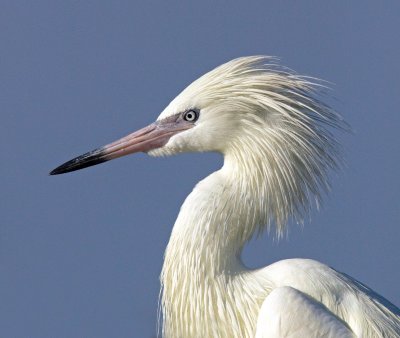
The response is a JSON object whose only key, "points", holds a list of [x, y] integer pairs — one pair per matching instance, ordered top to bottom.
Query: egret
{"points": [[276, 139]]}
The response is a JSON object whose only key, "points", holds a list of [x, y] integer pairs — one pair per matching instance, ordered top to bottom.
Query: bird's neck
{"points": [[265, 179], [216, 220], [203, 254]]}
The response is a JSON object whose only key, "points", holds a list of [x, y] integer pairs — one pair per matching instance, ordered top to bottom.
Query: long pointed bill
{"points": [[151, 137]]}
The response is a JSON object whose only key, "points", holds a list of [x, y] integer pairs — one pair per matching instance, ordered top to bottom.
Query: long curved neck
{"points": [[215, 221], [202, 260]]}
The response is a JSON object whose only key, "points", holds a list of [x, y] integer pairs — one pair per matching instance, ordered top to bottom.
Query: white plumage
{"points": [[278, 148]]}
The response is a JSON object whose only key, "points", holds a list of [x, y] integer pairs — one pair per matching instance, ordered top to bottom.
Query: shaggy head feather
{"points": [[268, 123]]}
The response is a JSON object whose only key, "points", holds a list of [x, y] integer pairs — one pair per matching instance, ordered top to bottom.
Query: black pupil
{"points": [[190, 116]]}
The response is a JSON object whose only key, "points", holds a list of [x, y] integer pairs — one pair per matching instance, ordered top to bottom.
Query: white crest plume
{"points": [[278, 127]]}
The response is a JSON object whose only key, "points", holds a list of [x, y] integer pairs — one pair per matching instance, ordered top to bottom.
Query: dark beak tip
{"points": [[86, 160], [62, 169], [56, 171]]}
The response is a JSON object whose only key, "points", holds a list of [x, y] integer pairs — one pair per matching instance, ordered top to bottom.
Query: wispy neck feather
{"points": [[284, 149], [287, 170]]}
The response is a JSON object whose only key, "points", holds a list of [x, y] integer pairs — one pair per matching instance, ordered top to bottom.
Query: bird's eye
{"points": [[191, 116]]}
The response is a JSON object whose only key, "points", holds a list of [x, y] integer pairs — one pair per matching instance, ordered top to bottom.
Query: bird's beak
{"points": [[151, 137]]}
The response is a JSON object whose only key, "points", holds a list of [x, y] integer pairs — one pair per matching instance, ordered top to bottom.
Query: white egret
{"points": [[277, 146]]}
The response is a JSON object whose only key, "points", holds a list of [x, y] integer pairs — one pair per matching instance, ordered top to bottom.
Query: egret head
{"points": [[254, 112]]}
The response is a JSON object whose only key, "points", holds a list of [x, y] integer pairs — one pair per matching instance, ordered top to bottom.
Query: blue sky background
{"points": [[80, 254]]}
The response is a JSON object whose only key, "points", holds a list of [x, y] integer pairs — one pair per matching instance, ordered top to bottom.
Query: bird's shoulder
{"points": [[297, 271], [322, 298], [288, 312]]}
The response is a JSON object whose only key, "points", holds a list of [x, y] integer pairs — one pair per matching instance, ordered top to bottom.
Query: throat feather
{"points": [[203, 275]]}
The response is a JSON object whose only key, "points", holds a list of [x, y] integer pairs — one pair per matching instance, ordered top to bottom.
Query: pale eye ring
{"points": [[191, 115]]}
